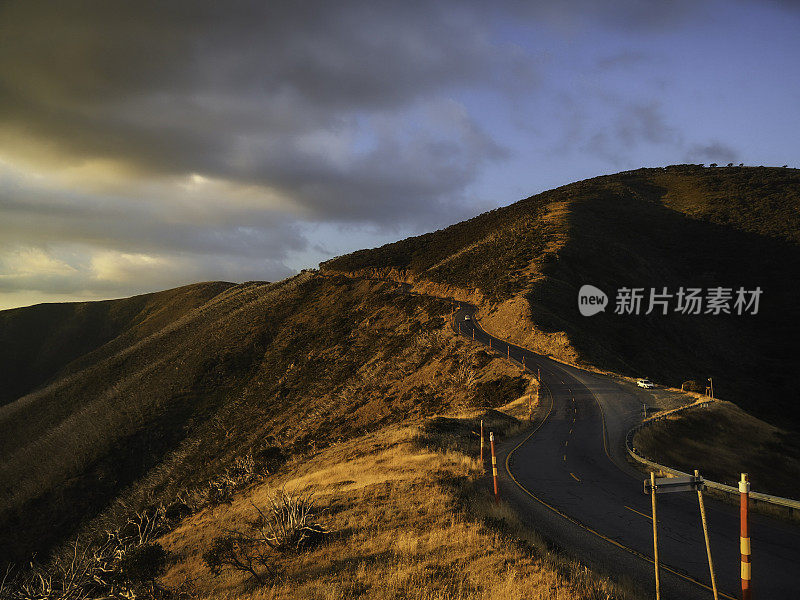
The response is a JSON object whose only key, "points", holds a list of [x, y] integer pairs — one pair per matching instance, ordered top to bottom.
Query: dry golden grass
{"points": [[399, 533]]}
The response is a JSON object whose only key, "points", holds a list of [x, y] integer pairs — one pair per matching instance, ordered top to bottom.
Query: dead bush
{"points": [[285, 525]]}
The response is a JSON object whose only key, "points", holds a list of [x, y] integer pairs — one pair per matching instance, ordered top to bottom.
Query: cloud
{"points": [[280, 95], [632, 125], [162, 143], [146, 144], [712, 152]]}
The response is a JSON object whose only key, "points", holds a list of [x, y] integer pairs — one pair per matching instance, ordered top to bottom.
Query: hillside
{"points": [[684, 225], [38, 343], [262, 372]]}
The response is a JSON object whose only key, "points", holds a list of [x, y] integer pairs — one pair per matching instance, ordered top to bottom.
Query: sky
{"points": [[146, 145]]}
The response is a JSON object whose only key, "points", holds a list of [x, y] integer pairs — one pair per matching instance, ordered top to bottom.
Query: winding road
{"points": [[570, 481]]}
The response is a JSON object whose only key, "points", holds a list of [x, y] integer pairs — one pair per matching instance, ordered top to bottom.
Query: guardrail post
{"points": [[494, 469], [655, 532], [705, 534], [744, 541]]}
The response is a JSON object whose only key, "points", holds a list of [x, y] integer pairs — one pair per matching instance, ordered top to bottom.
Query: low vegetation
{"points": [[407, 517]]}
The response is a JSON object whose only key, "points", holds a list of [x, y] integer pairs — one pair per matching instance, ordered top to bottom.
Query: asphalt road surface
{"points": [[571, 482]]}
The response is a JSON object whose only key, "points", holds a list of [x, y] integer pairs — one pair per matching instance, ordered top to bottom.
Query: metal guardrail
{"points": [[793, 505]]}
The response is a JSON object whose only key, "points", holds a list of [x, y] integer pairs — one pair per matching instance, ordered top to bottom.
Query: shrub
{"points": [[177, 511], [286, 525], [240, 552], [143, 563]]}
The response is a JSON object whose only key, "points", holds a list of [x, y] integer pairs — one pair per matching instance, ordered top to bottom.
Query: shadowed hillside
{"points": [[684, 225], [39, 342]]}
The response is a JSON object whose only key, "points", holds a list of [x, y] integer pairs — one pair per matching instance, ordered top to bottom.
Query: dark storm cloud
{"points": [[234, 90], [239, 90]]}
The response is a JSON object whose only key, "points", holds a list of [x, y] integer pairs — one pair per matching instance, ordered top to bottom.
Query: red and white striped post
{"points": [[482, 444], [494, 470], [744, 541]]}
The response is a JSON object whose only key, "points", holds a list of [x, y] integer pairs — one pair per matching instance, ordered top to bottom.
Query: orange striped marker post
{"points": [[473, 333], [490, 343], [508, 351], [482, 444], [494, 470], [744, 541]]}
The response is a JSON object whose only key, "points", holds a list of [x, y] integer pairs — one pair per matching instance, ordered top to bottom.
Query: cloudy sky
{"points": [[145, 145]]}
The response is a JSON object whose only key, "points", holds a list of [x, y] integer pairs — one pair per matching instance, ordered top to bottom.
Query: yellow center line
{"points": [[570, 430], [566, 443], [565, 458], [575, 477], [638, 513]]}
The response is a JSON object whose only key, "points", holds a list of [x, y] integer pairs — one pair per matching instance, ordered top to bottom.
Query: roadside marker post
{"points": [[473, 333], [508, 351], [482, 444], [494, 469], [668, 485], [655, 532], [705, 535], [744, 542]]}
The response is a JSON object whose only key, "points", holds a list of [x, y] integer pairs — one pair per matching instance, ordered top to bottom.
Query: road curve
{"points": [[569, 480]]}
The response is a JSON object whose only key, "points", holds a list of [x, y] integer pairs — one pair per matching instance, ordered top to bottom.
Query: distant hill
{"points": [[684, 225], [39, 342]]}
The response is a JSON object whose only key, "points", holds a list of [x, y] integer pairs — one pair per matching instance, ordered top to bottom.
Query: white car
{"points": [[467, 318], [645, 383]]}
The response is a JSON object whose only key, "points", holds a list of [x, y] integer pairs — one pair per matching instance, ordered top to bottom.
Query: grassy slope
{"points": [[679, 226], [289, 367], [722, 441], [409, 521]]}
